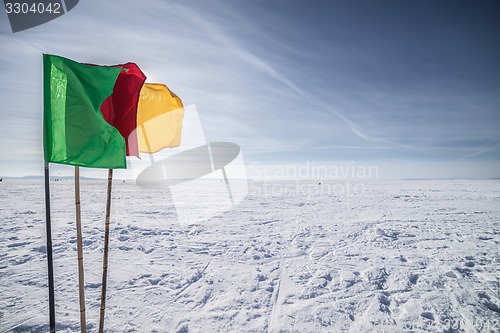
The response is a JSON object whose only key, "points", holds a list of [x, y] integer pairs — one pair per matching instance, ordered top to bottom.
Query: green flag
{"points": [[75, 131]]}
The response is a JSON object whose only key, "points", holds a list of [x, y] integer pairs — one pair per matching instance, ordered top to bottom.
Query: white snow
{"points": [[390, 256]]}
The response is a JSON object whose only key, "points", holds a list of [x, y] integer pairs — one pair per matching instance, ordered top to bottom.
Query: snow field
{"points": [[393, 256]]}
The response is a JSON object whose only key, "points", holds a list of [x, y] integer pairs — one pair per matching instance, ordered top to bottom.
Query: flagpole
{"points": [[148, 145], [224, 174], [227, 185], [106, 250], [81, 280], [52, 311]]}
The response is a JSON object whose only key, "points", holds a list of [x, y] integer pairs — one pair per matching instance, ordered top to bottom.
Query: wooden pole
{"points": [[148, 145], [224, 174], [227, 185], [106, 250], [81, 280], [52, 311]]}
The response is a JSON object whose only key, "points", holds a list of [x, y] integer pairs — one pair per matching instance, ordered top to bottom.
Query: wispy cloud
{"points": [[291, 82]]}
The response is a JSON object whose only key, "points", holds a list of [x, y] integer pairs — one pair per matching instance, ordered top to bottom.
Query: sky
{"points": [[412, 87]]}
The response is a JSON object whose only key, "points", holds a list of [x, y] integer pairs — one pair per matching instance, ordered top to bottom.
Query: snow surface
{"points": [[392, 256]]}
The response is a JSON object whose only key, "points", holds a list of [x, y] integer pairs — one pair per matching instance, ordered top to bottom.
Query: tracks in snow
{"points": [[283, 285]]}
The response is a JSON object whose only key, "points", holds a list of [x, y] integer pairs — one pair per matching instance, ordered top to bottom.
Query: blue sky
{"points": [[410, 86]]}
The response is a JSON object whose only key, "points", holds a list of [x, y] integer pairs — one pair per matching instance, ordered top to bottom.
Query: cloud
{"points": [[280, 83]]}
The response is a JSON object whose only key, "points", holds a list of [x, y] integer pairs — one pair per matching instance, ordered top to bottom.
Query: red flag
{"points": [[120, 108]]}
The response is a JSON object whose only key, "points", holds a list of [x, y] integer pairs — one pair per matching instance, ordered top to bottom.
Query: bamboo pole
{"points": [[148, 145], [224, 174], [227, 185], [106, 249], [81, 280], [52, 311]]}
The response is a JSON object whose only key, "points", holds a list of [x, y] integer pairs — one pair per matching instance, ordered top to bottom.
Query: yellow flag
{"points": [[159, 118]]}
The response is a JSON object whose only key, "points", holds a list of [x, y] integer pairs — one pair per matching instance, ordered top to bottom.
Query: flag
{"points": [[120, 108], [159, 118], [75, 131]]}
